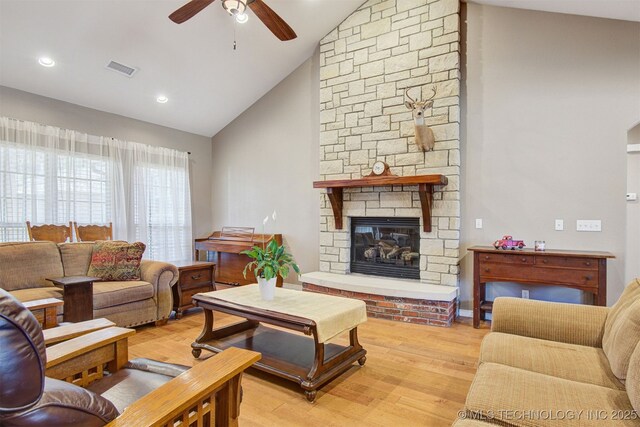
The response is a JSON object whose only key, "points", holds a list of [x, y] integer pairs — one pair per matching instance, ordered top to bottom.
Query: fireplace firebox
{"points": [[386, 247]]}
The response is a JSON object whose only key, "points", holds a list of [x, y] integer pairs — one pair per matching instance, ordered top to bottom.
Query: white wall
{"points": [[549, 101], [27, 106], [267, 159], [633, 208]]}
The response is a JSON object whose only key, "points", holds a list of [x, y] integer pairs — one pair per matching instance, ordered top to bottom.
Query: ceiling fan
{"points": [[278, 27]]}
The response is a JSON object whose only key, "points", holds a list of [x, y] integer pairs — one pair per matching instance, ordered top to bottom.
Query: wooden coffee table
{"points": [[294, 357]]}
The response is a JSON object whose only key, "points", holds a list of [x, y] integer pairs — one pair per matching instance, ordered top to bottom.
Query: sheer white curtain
{"points": [[53, 175]]}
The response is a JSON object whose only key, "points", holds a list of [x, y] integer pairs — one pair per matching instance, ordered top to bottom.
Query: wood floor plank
{"points": [[415, 375]]}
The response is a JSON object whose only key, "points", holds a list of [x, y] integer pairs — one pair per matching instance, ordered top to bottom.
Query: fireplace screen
{"points": [[386, 247]]}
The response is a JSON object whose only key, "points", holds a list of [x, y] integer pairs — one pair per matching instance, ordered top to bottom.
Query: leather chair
{"points": [[28, 397]]}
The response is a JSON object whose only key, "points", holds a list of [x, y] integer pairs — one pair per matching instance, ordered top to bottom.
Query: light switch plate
{"points": [[632, 197], [478, 223], [559, 224], [588, 225], [525, 294]]}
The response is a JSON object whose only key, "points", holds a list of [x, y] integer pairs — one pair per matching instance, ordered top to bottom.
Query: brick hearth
{"points": [[411, 310]]}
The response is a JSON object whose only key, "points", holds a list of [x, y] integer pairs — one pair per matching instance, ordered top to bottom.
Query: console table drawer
{"points": [[507, 258], [551, 261], [542, 275], [196, 278]]}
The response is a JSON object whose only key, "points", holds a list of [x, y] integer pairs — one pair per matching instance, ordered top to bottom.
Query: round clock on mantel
{"points": [[380, 168]]}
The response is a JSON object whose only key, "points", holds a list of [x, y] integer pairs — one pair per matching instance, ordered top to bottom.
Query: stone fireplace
{"points": [[366, 64]]}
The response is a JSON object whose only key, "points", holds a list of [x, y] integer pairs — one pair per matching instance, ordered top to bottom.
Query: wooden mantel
{"points": [[425, 185]]}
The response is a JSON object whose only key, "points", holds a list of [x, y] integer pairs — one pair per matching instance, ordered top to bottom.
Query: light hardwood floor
{"points": [[415, 375]]}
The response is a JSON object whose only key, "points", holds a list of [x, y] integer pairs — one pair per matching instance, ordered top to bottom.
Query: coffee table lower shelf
{"points": [[291, 356]]}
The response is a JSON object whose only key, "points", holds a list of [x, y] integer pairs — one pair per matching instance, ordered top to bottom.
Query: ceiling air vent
{"points": [[121, 68]]}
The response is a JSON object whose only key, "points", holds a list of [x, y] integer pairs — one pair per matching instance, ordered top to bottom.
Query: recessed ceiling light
{"points": [[241, 18], [46, 61], [162, 99]]}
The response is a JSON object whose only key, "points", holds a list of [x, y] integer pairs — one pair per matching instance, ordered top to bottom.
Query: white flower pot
{"points": [[267, 288]]}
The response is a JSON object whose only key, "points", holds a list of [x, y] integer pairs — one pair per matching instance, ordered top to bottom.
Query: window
{"points": [[52, 175], [49, 187]]}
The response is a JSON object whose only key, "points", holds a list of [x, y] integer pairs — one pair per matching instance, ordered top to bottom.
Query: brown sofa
{"points": [[25, 266], [551, 364]]}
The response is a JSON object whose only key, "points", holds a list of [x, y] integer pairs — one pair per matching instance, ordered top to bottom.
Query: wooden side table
{"points": [[584, 270], [194, 277], [78, 297], [49, 307]]}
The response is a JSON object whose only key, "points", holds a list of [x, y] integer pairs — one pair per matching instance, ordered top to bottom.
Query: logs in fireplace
{"points": [[384, 246]]}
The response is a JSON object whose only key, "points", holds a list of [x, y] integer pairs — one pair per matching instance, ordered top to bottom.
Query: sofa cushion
{"points": [[76, 257], [116, 260], [27, 265], [31, 294], [109, 294], [622, 330], [568, 361], [524, 398]]}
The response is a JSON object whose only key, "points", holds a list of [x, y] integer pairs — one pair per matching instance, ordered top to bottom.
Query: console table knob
{"points": [[524, 260], [545, 261], [588, 263], [486, 270], [588, 277]]}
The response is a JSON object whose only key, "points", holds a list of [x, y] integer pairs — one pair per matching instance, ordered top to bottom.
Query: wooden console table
{"points": [[584, 270]]}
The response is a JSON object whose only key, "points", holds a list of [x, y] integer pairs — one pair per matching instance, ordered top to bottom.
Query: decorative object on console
{"points": [[237, 9], [424, 138], [49, 232], [507, 242], [540, 245], [116, 260], [268, 263]]}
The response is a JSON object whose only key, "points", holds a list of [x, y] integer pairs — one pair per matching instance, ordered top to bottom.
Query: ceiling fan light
{"points": [[234, 7], [241, 18]]}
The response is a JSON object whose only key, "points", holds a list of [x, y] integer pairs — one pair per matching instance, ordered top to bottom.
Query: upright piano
{"points": [[224, 247]]}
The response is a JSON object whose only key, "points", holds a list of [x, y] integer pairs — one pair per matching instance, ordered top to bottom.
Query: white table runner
{"points": [[332, 315]]}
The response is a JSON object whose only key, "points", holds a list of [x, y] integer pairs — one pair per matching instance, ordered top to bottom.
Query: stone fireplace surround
{"points": [[366, 64]]}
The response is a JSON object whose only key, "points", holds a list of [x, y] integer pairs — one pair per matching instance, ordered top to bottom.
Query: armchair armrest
{"points": [[162, 276], [568, 323], [73, 330], [80, 360], [190, 396]]}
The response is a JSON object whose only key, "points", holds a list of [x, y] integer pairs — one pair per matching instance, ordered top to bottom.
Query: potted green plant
{"points": [[268, 263]]}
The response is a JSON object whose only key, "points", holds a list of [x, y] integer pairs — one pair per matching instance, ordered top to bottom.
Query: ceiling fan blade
{"points": [[189, 10], [278, 27]]}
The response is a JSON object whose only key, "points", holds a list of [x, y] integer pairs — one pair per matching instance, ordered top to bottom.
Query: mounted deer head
{"points": [[424, 135]]}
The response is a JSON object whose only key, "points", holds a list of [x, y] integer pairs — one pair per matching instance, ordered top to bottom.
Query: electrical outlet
{"points": [[632, 197], [478, 223], [559, 224], [588, 225], [525, 294]]}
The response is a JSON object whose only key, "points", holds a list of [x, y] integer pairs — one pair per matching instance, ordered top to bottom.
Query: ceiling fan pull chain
{"points": [[235, 25]]}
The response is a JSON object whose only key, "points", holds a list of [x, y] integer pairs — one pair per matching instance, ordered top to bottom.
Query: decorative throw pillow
{"points": [[116, 260]]}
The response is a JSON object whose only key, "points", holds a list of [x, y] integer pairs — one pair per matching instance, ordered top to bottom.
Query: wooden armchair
{"points": [[49, 232], [92, 233], [206, 394]]}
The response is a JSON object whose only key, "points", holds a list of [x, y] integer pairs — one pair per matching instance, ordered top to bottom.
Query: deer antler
{"points": [[433, 89], [406, 93]]}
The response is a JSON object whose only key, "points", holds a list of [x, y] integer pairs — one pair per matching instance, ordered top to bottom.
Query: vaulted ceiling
{"points": [[193, 64], [207, 82]]}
